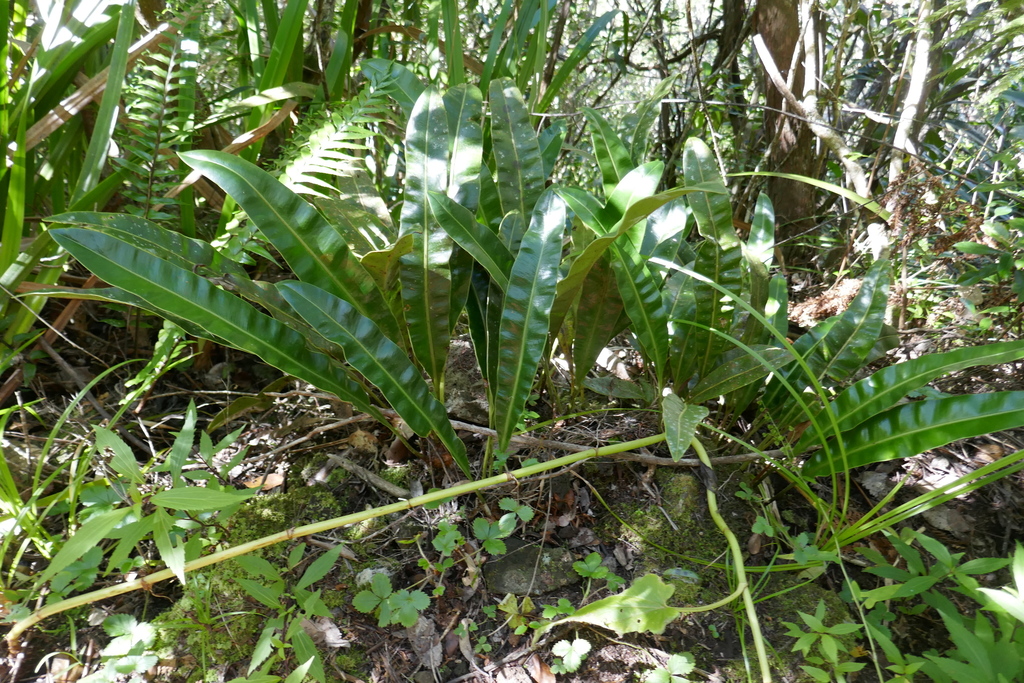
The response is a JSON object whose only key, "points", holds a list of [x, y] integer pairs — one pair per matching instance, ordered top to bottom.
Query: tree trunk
{"points": [[792, 143]]}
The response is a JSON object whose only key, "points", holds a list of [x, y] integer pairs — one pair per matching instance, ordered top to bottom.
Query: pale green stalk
{"points": [[13, 637]]}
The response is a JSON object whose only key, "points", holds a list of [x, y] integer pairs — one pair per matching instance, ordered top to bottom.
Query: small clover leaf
{"points": [[524, 512], [763, 526], [490, 535], [447, 539], [591, 567], [406, 607], [571, 655]]}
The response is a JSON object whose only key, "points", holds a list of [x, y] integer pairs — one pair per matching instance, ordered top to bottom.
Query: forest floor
{"points": [[639, 518]]}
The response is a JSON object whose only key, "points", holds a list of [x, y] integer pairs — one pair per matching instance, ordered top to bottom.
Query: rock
{"points": [[465, 395], [530, 571]]}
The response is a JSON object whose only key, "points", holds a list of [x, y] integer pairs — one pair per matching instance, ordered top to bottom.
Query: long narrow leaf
{"points": [[578, 54], [612, 155], [517, 159], [474, 237], [315, 250], [425, 272], [642, 297], [213, 313], [523, 330], [378, 359], [886, 387], [910, 429]]}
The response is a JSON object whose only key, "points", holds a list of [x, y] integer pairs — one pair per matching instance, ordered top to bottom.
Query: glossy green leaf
{"points": [[464, 105], [551, 140], [612, 156], [518, 164], [640, 183], [712, 210], [474, 237], [313, 248], [722, 266], [425, 271], [644, 305], [206, 310], [600, 316], [523, 330], [852, 337], [378, 359], [739, 372], [885, 388], [681, 420], [913, 428], [195, 499], [171, 548], [641, 607]]}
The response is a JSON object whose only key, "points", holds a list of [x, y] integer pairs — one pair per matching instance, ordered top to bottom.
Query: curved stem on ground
{"points": [[741, 575], [14, 635]]}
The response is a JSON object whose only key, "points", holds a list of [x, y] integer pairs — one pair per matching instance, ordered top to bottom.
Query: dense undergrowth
{"points": [[592, 268]]}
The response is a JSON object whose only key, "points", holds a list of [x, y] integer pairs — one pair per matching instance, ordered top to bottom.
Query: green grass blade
{"points": [[578, 54], [103, 129], [425, 272], [523, 330], [378, 359], [914, 428]]}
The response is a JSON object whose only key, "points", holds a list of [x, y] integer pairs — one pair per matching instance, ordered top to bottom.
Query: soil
{"points": [[638, 518]]}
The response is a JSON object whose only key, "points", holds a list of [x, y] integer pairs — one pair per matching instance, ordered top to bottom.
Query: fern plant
{"points": [[161, 105]]}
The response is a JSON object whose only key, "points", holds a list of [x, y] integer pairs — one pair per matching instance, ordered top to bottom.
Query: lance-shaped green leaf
{"points": [[464, 104], [551, 140], [612, 155], [517, 160], [640, 183], [712, 210], [474, 237], [314, 249], [758, 252], [722, 266], [425, 273], [642, 297], [205, 310], [600, 315], [523, 331], [850, 340], [378, 359], [740, 372], [888, 386], [681, 420], [910, 429], [89, 535]]}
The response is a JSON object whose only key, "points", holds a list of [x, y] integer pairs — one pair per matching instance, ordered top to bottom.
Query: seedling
{"points": [[391, 607], [569, 656], [675, 671]]}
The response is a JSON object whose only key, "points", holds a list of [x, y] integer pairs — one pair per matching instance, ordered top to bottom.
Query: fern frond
{"points": [[160, 108], [331, 143]]}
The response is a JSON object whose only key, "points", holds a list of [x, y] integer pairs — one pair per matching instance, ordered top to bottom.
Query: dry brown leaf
{"points": [[363, 441], [271, 481], [539, 671]]}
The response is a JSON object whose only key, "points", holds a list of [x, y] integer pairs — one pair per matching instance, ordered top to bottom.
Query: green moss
{"points": [[670, 548], [215, 621]]}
